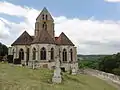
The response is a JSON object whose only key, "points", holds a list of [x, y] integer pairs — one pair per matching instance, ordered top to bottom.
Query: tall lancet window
{"points": [[43, 17], [46, 17], [44, 26], [52, 53], [21, 54], [34, 54], [43, 54], [71, 55], [64, 56]]}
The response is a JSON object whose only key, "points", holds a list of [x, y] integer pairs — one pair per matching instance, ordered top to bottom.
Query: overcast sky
{"points": [[92, 25]]}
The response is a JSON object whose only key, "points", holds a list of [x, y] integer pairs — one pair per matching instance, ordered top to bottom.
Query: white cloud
{"points": [[112, 0], [8, 8], [15, 10], [4, 31], [90, 36]]}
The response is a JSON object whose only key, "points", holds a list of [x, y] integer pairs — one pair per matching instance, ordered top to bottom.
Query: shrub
{"points": [[1, 57], [116, 71]]}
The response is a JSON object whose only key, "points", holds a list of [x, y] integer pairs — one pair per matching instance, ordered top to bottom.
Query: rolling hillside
{"points": [[22, 78]]}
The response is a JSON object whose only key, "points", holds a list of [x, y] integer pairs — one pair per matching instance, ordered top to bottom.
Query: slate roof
{"points": [[32, 37], [43, 38], [24, 39], [63, 40]]}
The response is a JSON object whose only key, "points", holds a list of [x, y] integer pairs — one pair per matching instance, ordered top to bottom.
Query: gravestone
{"points": [[5, 58], [34, 64], [74, 71], [57, 73]]}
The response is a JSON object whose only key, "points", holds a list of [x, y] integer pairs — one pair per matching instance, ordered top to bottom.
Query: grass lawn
{"points": [[21, 78]]}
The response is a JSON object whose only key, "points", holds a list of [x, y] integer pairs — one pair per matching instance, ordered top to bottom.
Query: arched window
{"points": [[43, 17], [46, 17], [44, 26], [43, 53], [52, 53], [21, 54], [34, 54], [71, 54], [64, 55]]}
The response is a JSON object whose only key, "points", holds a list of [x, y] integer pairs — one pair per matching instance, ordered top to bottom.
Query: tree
{"points": [[3, 49], [110, 64], [116, 71]]}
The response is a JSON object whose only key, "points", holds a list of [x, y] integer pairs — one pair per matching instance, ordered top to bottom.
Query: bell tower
{"points": [[44, 22]]}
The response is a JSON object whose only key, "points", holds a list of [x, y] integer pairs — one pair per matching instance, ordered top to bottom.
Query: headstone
{"points": [[5, 58], [34, 64], [74, 71], [57, 73]]}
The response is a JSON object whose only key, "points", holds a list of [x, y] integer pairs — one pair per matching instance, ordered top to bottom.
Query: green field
{"points": [[22, 78]]}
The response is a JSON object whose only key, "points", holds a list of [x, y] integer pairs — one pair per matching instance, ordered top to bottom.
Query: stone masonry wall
{"points": [[103, 75]]}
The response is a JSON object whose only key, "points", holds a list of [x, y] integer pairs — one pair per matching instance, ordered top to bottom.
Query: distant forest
{"points": [[90, 57], [106, 63]]}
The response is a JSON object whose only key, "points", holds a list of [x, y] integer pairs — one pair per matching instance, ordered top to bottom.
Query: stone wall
{"points": [[10, 52], [103, 75]]}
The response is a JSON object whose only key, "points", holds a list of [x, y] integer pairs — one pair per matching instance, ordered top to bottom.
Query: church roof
{"points": [[32, 37], [43, 38], [24, 39], [63, 40]]}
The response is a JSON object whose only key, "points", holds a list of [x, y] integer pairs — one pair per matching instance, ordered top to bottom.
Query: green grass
{"points": [[22, 78]]}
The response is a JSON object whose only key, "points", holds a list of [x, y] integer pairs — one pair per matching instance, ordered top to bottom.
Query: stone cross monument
{"points": [[74, 71], [57, 72]]}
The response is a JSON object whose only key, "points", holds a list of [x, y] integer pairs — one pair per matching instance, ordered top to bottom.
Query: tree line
{"points": [[3, 49], [109, 64]]}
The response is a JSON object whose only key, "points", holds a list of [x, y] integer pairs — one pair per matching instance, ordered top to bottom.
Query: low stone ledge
{"points": [[103, 75]]}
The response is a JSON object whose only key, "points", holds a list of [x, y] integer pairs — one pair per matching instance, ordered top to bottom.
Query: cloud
{"points": [[112, 0], [8, 8], [15, 10], [4, 31], [91, 36]]}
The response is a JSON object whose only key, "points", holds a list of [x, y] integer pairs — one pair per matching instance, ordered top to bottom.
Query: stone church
{"points": [[44, 48]]}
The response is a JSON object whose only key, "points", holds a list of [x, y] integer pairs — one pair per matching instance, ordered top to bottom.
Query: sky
{"points": [[92, 25]]}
